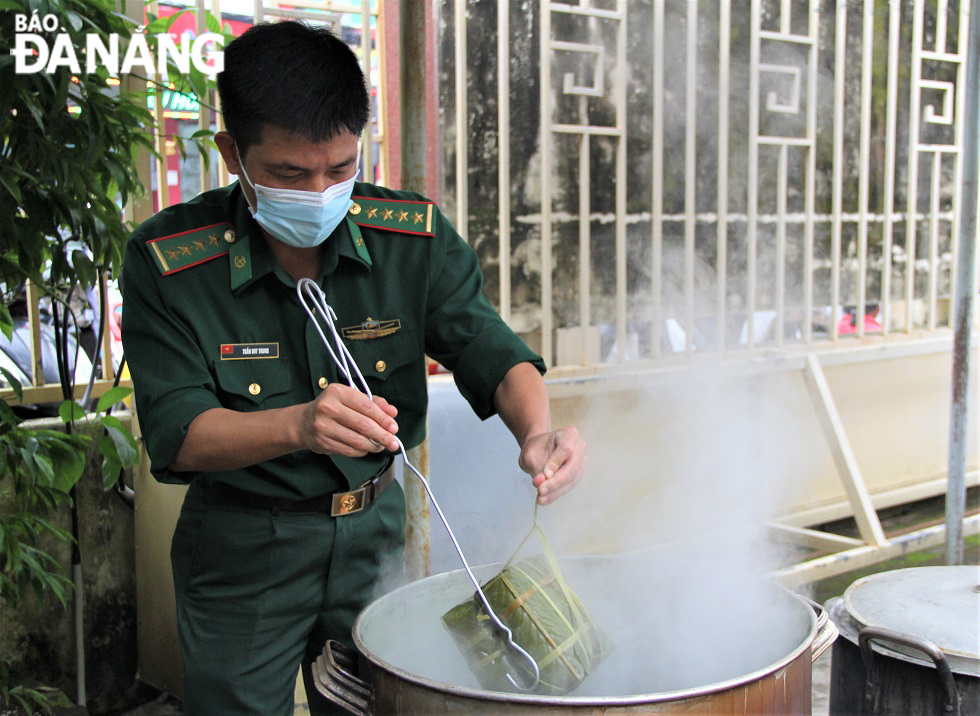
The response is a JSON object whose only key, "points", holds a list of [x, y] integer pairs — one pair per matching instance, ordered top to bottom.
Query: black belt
{"points": [[337, 504]]}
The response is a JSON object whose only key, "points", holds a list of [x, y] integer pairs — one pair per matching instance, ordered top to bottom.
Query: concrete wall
{"points": [[38, 636]]}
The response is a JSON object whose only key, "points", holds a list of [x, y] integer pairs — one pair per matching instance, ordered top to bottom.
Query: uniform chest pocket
{"points": [[381, 358], [253, 384]]}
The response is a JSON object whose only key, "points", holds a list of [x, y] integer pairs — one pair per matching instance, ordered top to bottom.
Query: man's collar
{"points": [[250, 257]]}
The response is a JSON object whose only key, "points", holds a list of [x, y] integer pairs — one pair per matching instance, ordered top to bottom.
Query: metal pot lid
{"points": [[939, 604]]}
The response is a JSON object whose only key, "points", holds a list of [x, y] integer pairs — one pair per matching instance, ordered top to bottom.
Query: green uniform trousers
{"points": [[259, 592]]}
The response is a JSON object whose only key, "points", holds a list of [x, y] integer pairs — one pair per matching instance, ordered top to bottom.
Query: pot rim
{"points": [[624, 700]]}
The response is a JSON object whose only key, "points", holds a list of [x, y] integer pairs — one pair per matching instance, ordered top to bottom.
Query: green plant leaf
{"points": [[173, 18], [12, 188], [84, 268], [6, 321], [13, 383], [112, 396], [70, 411], [122, 438], [68, 465], [111, 465]]}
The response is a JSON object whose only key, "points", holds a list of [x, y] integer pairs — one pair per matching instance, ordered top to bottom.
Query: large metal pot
{"points": [[686, 639], [909, 643]]}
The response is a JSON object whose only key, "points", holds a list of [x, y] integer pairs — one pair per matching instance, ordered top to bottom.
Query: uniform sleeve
{"points": [[463, 331], [171, 380]]}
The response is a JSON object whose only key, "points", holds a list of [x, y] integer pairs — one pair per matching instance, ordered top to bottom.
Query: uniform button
{"points": [[355, 209], [230, 236], [380, 366], [322, 383], [255, 389]]}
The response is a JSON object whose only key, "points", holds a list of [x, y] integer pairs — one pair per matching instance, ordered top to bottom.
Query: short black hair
{"points": [[301, 78]]}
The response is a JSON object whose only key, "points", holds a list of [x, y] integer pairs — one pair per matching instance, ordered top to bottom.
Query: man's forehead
{"points": [[273, 137]]}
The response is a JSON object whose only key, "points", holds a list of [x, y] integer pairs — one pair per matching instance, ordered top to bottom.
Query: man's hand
{"points": [[340, 421], [344, 421], [554, 460]]}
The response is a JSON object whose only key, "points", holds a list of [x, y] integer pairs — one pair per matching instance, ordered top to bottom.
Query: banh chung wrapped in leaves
{"points": [[547, 620]]}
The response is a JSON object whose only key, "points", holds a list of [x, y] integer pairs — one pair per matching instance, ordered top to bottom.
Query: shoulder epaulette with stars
{"points": [[409, 217], [189, 248]]}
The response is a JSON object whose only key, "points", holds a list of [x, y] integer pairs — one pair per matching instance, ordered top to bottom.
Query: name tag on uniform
{"points": [[245, 351]]}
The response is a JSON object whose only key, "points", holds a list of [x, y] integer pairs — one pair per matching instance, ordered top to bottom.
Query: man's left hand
{"points": [[555, 460]]}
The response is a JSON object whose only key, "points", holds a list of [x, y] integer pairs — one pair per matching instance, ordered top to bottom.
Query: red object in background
{"points": [[188, 22], [847, 325], [436, 368]]}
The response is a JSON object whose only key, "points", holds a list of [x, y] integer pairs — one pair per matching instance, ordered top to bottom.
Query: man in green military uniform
{"points": [[291, 512]]}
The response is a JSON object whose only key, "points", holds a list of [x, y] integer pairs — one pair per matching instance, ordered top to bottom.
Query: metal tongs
{"points": [[313, 300]]}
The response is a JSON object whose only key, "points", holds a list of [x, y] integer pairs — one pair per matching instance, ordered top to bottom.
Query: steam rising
{"points": [[669, 527]]}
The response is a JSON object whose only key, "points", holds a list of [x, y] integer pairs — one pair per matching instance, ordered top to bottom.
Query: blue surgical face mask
{"points": [[303, 219]]}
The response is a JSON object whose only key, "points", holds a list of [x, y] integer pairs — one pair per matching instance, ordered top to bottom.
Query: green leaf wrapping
{"points": [[547, 620]]}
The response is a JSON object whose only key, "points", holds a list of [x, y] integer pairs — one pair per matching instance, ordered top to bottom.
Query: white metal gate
{"points": [[754, 174]]}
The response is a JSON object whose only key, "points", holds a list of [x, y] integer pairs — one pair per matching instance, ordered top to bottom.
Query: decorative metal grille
{"points": [[683, 176]]}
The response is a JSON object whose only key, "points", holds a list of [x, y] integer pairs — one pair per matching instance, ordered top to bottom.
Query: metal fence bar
{"points": [[942, 12], [813, 25], [840, 66], [203, 112], [891, 114], [462, 120], [584, 129], [503, 156], [621, 158], [864, 159], [367, 163], [913, 164], [690, 172], [782, 175], [753, 176], [657, 180], [935, 185], [721, 226], [584, 243], [547, 318]]}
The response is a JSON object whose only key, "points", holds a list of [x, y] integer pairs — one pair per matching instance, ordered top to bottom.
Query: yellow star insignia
{"points": [[372, 212], [386, 214], [403, 216], [419, 218], [213, 240], [198, 245], [185, 250], [172, 254]]}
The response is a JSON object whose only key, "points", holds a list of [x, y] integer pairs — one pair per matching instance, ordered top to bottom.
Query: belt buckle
{"points": [[346, 503]]}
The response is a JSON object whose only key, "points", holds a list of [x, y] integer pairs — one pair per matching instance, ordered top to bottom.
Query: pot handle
{"points": [[827, 631], [335, 676], [951, 701]]}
